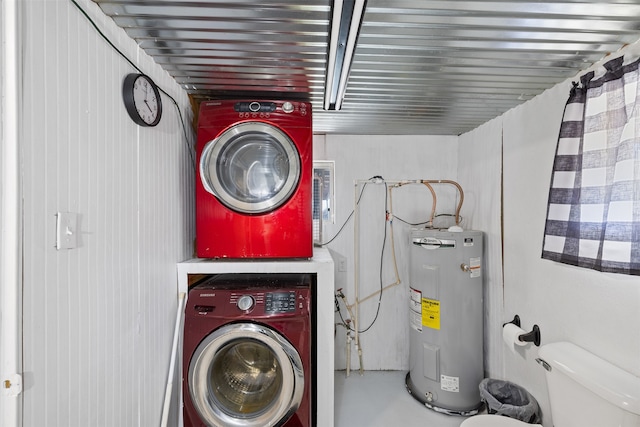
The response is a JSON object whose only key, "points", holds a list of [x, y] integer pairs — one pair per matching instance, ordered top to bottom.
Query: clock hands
{"points": [[146, 94]]}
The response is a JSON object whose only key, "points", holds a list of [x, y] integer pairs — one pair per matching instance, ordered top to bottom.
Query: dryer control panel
{"points": [[254, 107]]}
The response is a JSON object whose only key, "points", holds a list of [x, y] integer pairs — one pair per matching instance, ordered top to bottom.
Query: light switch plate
{"points": [[66, 230]]}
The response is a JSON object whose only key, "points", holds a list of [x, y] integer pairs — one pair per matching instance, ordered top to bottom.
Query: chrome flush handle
{"points": [[544, 364]]}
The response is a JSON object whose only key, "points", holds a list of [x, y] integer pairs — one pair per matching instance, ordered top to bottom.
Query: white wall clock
{"points": [[142, 99]]}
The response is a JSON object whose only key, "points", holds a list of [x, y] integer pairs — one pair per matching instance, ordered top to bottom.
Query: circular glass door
{"points": [[251, 167], [245, 375]]}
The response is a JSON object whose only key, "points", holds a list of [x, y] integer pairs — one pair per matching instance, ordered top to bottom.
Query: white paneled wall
{"points": [[480, 174], [597, 311], [98, 319], [386, 345]]}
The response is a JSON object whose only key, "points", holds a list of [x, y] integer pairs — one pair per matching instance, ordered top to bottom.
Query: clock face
{"points": [[142, 99], [145, 99]]}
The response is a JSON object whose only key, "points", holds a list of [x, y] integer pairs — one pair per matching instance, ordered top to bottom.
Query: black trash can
{"points": [[509, 399]]}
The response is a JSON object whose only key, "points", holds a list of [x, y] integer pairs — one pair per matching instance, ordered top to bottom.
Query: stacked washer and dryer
{"points": [[248, 351]]}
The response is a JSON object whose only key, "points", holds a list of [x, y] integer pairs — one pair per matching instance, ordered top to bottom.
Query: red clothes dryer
{"points": [[254, 184], [248, 352]]}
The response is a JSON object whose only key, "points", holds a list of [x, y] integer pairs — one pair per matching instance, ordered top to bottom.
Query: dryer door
{"points": [[252, 167], [245, 374]]}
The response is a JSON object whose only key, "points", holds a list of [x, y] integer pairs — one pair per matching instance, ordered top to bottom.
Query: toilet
{"points": [[584, 390]]}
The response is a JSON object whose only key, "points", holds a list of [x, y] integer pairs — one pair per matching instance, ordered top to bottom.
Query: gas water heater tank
{"points": [[446, 320]]}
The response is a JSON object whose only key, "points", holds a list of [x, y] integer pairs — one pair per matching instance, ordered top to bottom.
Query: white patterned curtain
{"points": [[593, 215]]}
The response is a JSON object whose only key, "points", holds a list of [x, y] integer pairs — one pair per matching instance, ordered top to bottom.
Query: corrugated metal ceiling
{"points": [[420, 67]]}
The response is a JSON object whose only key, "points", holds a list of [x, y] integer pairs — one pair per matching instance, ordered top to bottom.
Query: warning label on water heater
{"points": [[475, 267], [415, 309], [423, 311], [431, 313]]}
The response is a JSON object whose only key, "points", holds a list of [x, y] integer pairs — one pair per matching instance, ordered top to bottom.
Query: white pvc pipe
{"points": [[10, 224], [356, 267], [348, 346], [174, 357]]}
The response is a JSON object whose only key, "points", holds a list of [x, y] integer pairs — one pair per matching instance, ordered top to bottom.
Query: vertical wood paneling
{"points": [[97, 319]]}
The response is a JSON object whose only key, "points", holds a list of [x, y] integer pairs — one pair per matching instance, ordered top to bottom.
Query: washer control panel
{"points": [[238, 297], [280, 302], [267, 303]]}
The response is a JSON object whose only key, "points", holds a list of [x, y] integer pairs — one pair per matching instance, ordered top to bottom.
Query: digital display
{"points": [[254, 107], [280, 302]]}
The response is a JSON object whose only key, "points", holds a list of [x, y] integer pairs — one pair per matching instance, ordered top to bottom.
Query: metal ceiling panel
{"points": [[420, 67]]}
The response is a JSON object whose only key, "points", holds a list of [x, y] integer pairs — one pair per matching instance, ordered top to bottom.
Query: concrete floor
{"points": [[379, 399]]}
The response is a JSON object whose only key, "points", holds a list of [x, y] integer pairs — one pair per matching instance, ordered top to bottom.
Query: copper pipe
{"points": [[447, 181], [433, 206]]}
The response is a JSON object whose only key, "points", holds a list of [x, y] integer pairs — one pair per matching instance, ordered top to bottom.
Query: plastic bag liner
{"points": [[509, 399]]}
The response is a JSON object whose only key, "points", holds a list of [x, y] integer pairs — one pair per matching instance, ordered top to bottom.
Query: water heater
{"points": [[446, 320]]}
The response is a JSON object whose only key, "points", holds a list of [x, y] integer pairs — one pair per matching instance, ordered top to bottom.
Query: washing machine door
{"points": [[252, 167], [247, 375]]}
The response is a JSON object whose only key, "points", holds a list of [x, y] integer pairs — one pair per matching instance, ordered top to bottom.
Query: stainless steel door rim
{"points": [[252, 167], [242, 395]]}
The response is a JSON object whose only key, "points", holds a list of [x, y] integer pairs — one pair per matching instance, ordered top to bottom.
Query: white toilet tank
{"points": [[586, 391]]}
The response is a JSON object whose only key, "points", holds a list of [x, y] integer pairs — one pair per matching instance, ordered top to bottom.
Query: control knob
{"points": [[287, 107], [245, 302]]}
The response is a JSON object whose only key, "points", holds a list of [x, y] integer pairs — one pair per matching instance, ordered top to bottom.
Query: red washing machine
{"points": [[254, 185], [249, 352]]}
